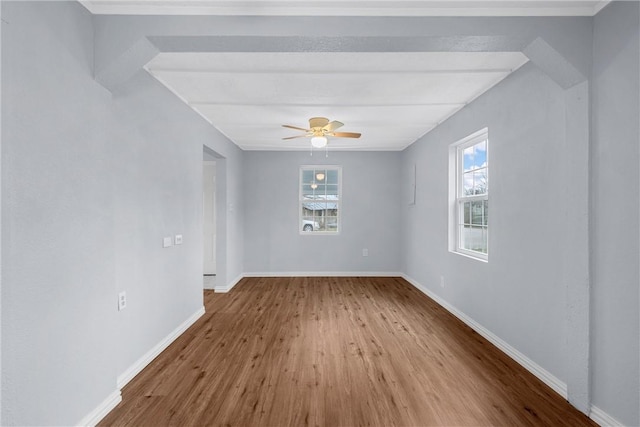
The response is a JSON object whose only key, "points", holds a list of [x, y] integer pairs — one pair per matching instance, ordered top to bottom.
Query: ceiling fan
{"points": [[319, 129]]}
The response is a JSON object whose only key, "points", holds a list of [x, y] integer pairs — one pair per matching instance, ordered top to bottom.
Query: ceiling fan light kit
{"points": [[320, 128], [319, 141]]}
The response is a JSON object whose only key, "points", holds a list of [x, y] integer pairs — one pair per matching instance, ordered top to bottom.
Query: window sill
{"points": [[319, 233], [470, 256]]}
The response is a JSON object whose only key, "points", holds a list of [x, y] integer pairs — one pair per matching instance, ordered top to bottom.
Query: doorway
{"points": [[209, 222]]}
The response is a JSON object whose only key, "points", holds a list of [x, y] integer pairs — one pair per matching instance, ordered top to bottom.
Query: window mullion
{"points": [[475, 197]]}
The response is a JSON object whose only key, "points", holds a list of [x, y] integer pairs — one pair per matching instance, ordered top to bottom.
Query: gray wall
{"points": [[158, 146], [91, 182], [370, 208], [614, 212], [0, 216], [58, 265], [518, 295]]}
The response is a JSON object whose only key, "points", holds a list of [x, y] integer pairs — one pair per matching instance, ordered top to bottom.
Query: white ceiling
{"points": [[348, 7], [391, 98]]}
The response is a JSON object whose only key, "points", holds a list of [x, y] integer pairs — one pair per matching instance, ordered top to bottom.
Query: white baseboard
{"points": [[325, 274], [222, 289], [141, 363], [537, 370], [95, 416], [602, 418]]}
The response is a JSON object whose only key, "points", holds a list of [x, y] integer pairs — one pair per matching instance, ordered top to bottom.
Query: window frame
{"points": [[457, 198], [301, 200]]}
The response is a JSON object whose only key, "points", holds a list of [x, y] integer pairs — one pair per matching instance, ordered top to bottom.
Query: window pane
{"points": [[480, 155], [467, 158], [319, 175], [307, 176], [332, 176], [480, 181], [467, 184], [307, 191], [332, 192], [317, 208], [307, 209], [320, 210], [486, 212], [477, 213], [331, 218], [466, 219], [309, 224], [465, 237], [473, 238], [485, 242]]}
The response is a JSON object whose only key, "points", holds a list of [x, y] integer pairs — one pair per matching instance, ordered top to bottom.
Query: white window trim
{"points": [[455, 188], [301, 200]]}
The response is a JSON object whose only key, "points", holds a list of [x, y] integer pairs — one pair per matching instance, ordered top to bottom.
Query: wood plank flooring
{"points": [[329, 351]]}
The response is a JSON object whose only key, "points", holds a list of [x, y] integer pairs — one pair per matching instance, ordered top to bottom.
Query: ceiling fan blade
{"points": [[318, 122], [333, 126], [296, 128], [345, 134], [297, 136]]}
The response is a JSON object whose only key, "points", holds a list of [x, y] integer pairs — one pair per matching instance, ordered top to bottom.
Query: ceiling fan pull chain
{"points": [[326, 151]]}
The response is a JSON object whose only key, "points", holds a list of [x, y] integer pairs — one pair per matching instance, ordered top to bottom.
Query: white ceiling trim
{"points": [[598, 7], [347, 8], [333, 73], [304, 104], [332, 147]]}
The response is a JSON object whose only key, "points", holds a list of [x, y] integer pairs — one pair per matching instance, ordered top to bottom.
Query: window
{"points": [[469, 190], [320, 198]]}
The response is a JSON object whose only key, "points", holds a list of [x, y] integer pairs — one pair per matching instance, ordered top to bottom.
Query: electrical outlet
{"points": [[178, 239], [167, 241], [365, 252], [442, 281], [122, 301]]}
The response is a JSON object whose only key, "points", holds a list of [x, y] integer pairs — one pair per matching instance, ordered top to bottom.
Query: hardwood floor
{"points": [[334, 352]]}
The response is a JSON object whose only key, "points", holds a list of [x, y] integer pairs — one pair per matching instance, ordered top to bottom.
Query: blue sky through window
{"points": [[475, 156]]}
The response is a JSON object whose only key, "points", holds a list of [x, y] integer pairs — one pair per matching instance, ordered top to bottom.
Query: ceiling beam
{"points": [[346, 8]]}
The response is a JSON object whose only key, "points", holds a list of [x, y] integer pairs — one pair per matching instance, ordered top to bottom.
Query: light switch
{"points": [[178, 239], [167, 242], [122, 301]]}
